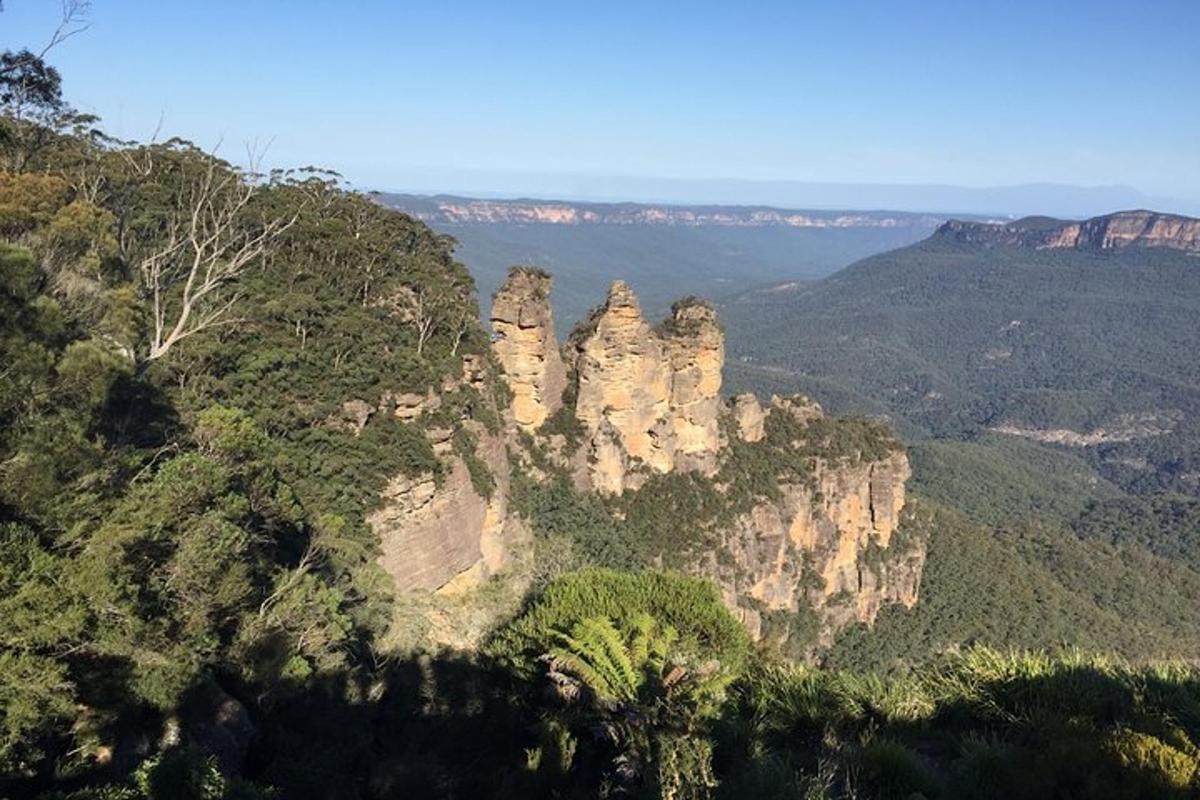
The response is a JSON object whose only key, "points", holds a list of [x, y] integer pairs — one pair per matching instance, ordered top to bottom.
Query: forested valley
{"points": [[192, 603]]}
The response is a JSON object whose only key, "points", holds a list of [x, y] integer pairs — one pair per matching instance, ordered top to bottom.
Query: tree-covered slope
{"points": [[953, 337], [201, 369], [183, 487], [1032, 584]]}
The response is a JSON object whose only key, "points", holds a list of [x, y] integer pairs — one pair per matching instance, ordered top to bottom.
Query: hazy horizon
{"points": [[785, 106], [1015, 200]]}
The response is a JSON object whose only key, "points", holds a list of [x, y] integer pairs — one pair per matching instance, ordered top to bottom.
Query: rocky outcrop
{"points": [[1122, 229], [524, 343], [695, 351], [625, 380], [659, 391], [749, 417], [433, 529], [821, 534], [826, 543], [221, 726]]}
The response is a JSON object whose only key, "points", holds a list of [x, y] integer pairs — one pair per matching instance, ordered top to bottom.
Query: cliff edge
{"points": [[1122, 229], [810, 505]]}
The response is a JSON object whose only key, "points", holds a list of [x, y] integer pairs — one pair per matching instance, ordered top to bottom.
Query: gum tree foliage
{"points": [[179, 504], [186, 513]]}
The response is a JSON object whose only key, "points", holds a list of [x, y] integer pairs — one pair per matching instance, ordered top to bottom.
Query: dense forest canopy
{"points": [[176, 334], [952, 339], [191, 604]]}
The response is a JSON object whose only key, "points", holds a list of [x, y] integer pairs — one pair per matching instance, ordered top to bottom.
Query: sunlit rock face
{"points": [[1122, 229], [524, 344], [695, 350], [625, 381], [658, 389], [646, 401], [826, 544]]}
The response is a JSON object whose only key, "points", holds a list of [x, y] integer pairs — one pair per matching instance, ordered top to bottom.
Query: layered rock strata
{"points": [[1122, 229], [523, 340], [658, 390], [647, 401], [437, 529], [826, 544]]}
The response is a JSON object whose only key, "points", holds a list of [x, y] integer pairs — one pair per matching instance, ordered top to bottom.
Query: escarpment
{"points": [[1122, 229], [657, 390], [811, 504], [794, 514], [449, 525], [828, 542]]}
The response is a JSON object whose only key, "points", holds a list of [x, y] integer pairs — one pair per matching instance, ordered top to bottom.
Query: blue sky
{"points": [[423, 96]]}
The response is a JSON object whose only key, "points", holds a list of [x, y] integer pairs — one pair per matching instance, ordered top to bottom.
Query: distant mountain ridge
{"points": [[1012, 201], [454, 210], [1138, 228], [662, 250], [1080, 335]]}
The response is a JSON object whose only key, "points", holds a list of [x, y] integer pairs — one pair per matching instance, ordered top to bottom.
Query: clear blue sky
{"points": [[395, 94]]}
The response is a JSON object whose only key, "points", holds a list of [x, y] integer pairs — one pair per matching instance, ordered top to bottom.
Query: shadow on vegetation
{"points": [[981, 725]]}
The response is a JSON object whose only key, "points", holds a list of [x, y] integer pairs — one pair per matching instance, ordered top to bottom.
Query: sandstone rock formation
{"points": [[1122, 229], [524, 343], [695, 350], [624, 379], [658, 390], [646, 401], [749, 417], [431, 531], [827, 543]]}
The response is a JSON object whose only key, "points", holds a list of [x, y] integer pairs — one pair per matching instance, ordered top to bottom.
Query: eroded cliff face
{"points": [[1122, 229], [524, 343], [695, 352], [624, 381], [658, 390], [640, 402], [648, 402], [434, 530], [825, 545]]}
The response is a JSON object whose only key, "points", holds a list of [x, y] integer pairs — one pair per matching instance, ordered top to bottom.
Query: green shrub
{"points": [[692, 607], [1168, 769], [894, 772]]}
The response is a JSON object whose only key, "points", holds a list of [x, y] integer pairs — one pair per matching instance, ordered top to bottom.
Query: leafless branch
{"points": [[72, 23], [207, 244]]}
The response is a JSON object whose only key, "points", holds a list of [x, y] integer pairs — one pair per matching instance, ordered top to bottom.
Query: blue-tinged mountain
{"points": [[661, 250], [1081, 335]]}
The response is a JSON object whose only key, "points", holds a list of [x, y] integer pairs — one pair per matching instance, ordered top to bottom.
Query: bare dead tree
{"points": [[72, 22], [363, 217], [207, 243], [431, 306], [423, 314], [460, 327]]}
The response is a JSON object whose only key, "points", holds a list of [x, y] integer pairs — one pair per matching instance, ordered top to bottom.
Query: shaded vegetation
{"points": [[998, 480], [1164, 525]]}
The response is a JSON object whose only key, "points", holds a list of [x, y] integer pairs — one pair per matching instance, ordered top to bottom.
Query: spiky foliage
{"points": [[692, 607], [644, 703], [981, 724]]}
